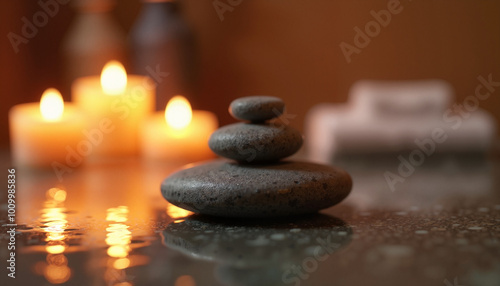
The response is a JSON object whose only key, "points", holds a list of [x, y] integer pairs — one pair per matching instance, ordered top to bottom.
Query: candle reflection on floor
{"points": [[176, 212], [54, 223], [118, 238], [185, 280]]}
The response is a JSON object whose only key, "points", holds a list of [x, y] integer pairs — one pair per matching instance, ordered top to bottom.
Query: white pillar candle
{"points": [[115, 105], [44, 133], [179, 134]]}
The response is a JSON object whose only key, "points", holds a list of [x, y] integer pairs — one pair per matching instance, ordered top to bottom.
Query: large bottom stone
{"points": [[229, 189]]}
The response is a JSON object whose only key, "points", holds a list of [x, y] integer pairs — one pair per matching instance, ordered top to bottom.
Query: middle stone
{"points": [[255, 143]]}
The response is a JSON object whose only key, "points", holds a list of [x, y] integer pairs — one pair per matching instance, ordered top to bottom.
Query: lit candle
{"points": [[115, 105], [44, 133], [178, 134]]}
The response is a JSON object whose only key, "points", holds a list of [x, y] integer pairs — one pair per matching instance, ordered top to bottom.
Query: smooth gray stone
{"points": [[257, 108], [254, 143], [228, 189]]}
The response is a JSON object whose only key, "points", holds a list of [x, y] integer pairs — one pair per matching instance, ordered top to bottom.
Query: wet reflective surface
{"points": [[107, 224], [259, 252]]}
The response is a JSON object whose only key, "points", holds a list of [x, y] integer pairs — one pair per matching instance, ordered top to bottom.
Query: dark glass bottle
{"points": [[93, 39], [161, 43]]}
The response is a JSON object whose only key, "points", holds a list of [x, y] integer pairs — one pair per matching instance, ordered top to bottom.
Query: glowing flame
{"points": [[113, 78], [51, 105], [178, 113]]}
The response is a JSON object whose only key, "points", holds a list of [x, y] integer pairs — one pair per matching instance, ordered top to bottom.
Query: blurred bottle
{"points": [[93, 39], [163, 43]]}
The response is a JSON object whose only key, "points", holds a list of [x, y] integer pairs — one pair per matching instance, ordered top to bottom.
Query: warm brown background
{"points": [[285, 48]]}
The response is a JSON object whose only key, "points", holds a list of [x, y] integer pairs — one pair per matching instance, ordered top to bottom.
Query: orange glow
{"points": [[114, 78], [51, 105], [178, 112], [51, 192], [56, 194], [60, 196], [176, 212], [118, 214], [53, 217], [55, 222], [55, 236], [118, 236], [55, 248], [119, 251], [57, 259], [121, 263], [39, 268], [57, 274], [185, 280], [123, 284]]}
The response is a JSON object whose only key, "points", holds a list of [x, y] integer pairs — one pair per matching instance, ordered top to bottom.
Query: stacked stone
{"points": [[258, 141], [256, 183]]}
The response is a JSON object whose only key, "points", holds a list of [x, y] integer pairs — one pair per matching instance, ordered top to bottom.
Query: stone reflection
{"points": [[54, 224], [272, 252]]}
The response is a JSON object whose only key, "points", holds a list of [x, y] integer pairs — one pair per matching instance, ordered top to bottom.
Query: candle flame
{"points": [[113, 78], [51, 105], [178, 112]]}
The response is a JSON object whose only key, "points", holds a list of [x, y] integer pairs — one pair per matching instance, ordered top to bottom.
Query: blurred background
{"points": [[290, 49], [417, 226]]}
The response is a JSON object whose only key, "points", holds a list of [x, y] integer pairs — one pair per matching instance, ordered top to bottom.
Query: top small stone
{"points": [[257, 108]]}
